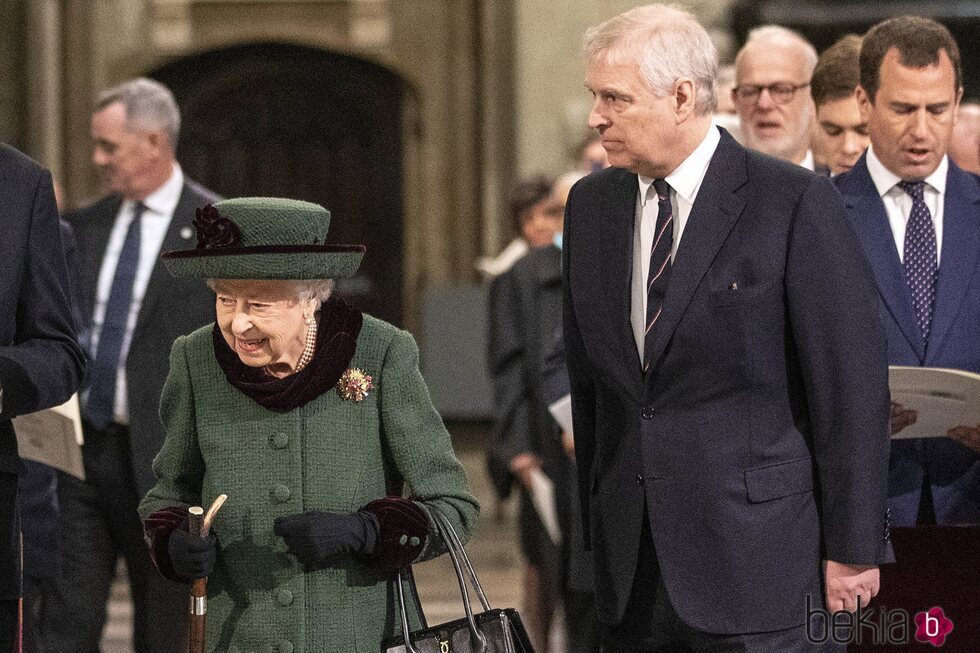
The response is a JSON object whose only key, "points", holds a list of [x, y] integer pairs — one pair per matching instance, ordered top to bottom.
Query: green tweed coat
{"points": [[331, 454]]}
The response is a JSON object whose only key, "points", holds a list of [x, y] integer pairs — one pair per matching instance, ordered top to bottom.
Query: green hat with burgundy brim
{"points": [[264, 238]]}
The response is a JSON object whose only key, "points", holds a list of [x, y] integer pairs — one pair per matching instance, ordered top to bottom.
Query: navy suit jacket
{"points": [[171, 307], [954, 339], [41, 363], [757, 444]]}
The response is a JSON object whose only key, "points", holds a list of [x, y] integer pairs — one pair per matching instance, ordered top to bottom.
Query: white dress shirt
{"points": [[808, 161], [684, 182], [898, 203], [160, 206]]}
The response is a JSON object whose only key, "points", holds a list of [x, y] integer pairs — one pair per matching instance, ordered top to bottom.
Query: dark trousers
{"points": [[99, 524], [9, 561], [652, 626]]}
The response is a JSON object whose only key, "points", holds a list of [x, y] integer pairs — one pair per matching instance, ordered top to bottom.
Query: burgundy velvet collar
{"points": [[336, 339]]}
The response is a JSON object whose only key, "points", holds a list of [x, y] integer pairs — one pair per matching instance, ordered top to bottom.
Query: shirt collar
{"points": [[808, 161], [686, 178], [885, 180], [164, 199]]}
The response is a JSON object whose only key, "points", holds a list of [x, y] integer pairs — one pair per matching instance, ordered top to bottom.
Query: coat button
{"points": [[647, 412], [280, 441], [639, 479], [280, 493], [280, 546], [285, 597], [285, 646]]}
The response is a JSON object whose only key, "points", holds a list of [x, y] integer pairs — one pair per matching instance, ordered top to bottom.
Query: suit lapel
{"points": [[712, 217], [871, 223], [181, 224], [616, 236], [960, 253]]}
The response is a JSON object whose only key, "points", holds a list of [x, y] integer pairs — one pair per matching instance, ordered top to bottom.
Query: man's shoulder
{"points": [[14, 164], [777, 174], [856, 180], [200, 193], [106, 206]]}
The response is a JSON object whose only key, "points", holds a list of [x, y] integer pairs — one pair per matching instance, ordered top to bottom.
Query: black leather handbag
{"points": [[490, 631]]}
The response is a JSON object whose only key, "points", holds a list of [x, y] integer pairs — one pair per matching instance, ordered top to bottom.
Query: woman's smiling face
{"points": [[264, 322]]}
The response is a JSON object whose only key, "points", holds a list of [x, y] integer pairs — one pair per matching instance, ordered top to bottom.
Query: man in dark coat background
{"points": [[136, 311], [41, 363], [727, 366]]}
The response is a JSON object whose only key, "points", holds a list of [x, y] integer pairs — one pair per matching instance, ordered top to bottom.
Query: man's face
{"points": [[912, 116], [634, 124], [779, 129], [841, 135], [126, 158]]}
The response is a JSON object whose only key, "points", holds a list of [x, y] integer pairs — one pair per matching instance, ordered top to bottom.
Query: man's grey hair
{"points": [[779, 35], [667, 42], [149, 106]]}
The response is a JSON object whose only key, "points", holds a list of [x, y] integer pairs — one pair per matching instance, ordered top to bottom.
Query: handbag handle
{"points": [[455, 549]]}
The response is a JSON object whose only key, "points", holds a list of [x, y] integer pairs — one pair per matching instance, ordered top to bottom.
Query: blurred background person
{"points": [[772, 73], [726, 115], [841, 135], [964, 146], [592, 155], [524, 309], [136, 311], [41, 363]]}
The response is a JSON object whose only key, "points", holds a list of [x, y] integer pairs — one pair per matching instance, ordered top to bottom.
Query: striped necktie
{"points": [[659, 273]]}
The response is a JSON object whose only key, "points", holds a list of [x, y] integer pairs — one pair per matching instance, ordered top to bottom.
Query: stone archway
{"points": [[295, 121]]}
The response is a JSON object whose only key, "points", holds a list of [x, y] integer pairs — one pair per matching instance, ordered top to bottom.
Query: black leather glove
{"points": [[314, 537], [191, 556]]}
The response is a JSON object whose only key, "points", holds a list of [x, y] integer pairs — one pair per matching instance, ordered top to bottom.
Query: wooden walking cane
{"points": [[199, 524]]}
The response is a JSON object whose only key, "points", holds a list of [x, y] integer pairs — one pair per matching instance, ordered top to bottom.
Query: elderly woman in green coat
{"points": [[315, 421]]}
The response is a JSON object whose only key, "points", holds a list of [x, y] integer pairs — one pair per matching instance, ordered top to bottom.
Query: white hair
{"points": [[781, 36], [667, 42], [149, 105], [304, 289]]}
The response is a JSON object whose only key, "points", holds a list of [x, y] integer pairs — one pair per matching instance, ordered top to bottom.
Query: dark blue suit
{"points": [[954, 340], [41, 363], [757, 444]]}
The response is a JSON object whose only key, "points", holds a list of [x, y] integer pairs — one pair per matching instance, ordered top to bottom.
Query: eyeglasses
{"points": [[781, 93]]}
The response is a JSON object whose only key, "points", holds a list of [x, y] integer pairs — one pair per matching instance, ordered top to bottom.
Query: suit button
{"points": [[647, 412], [280, 441], [639, 479], [280, 493], [285, 597], [285, 647]]}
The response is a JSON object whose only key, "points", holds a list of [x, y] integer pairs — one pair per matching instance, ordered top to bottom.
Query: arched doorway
{"points": [[293, 121]]}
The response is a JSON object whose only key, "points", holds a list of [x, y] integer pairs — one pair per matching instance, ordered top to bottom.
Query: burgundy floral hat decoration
{"points": [[264, 238]]}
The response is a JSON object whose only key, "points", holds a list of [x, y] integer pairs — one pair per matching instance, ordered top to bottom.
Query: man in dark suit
{"points": [[917, 216], [137, 310], [41, 363], [727, 366]]}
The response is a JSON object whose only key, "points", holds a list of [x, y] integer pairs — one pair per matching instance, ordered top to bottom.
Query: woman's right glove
{"points": [[191, 556]]}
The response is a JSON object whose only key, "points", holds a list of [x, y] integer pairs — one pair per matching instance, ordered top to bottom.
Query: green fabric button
{"points": [[280, 441], [280, 493], [403, 540], [280, 546], [285, 597], [285, 647]]}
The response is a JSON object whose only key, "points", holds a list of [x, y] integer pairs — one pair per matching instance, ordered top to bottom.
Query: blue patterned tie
{"points": [[920, 256], [659, 266], [99, 408]]}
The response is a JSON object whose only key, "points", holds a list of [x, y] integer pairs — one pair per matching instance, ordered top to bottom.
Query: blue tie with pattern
{"points": [[659, 266], [921, 269], [99, 408]]}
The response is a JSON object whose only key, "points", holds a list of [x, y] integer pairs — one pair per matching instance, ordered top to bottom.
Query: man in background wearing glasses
{"points": [[772, 71]]}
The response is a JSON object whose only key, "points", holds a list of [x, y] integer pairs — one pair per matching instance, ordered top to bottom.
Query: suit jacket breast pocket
{"points": [[737, 295]]}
